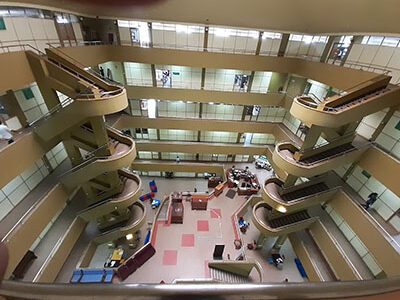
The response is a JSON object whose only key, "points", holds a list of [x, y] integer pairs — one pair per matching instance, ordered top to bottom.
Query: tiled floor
{"points": [[183, 250]]}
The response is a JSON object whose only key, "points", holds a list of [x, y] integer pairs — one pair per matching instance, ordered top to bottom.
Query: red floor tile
{"points": [[215, 213], [202, 226], [187, 240], [170, 257]]}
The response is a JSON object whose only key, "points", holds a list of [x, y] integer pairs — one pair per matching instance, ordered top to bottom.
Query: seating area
{"points": [[245, 181], [136, 261], [92, 276]]}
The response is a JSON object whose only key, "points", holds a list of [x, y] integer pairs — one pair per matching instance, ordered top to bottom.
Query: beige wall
{"points": [[308, 16], [16, 71], [335, 76], [205, 96], [188, 147], [20, 156], [145, 165], [382, 167], [369, 232], [21, 238], [56, 259]]}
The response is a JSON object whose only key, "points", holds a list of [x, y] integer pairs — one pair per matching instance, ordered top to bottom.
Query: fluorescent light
{"points": [[222, 32], [210, 102], [151, 106], [281, 209], [129, 236]]}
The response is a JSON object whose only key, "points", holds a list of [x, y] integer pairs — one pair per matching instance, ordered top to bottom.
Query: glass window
{"points": [[295, 37], [365, 40], [375, 40], [390, 42]]}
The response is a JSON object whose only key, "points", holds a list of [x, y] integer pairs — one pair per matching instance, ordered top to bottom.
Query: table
{"points": [[199, 203], [177, 213]]}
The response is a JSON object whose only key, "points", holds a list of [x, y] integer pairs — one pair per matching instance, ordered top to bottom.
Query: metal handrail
{"points": [[29, 46], [90, 70], [53, 110], [327, 142], [337, 154], [266, 291]]}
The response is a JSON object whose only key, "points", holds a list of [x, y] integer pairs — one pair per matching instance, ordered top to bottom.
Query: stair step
{"points": [[289, 219]]}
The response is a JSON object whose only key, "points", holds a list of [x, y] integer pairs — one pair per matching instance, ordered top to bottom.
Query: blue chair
{"points": [[147, 239], [300, 267], [76, 276], [92, 276], [109, 276]]}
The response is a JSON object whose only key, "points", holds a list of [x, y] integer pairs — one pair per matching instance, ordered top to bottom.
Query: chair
{"points": [[123, 272], [109, 275], [76, 276], [92, 276]]}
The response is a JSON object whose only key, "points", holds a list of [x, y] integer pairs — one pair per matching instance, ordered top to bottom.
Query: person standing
{"points": [[5, 133], [178, 160], [371, 200]]}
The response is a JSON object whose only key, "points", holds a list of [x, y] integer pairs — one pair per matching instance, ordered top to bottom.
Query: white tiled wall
{"points": [[23, 30], [178, 36], [232, 40], [270, 43], [306, 45], [377, 52], [117, 70], [138, 74], [182, 77], [222, 79], [261, 82], [318, 89], [34, 107], [135, 107], [178, 109], [222, 111], [271, 114], [292, 123], [144, 133], [178, 135], [390, 136], [218, 137], [263, 139], [57, 155], [174, 155], [20, 186], [386, 205], [357, 244]]}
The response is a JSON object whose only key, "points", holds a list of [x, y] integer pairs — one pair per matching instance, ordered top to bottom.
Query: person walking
{"points": [[5, 133], [178, 160], [371, 200]]}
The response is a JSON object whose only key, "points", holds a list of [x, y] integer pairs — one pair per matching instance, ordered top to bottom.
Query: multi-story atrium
{"points": [[199, 148]]}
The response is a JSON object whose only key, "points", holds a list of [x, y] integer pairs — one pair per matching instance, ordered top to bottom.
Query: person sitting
{"points": [[5, 133]]}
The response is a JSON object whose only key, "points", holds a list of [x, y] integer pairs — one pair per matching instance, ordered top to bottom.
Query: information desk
{"points": [[245, 181], [218, 189], [199, 203], [177, 213]]}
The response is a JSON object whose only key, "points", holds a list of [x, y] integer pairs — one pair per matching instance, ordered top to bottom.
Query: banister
{"points": [[268, 291]]}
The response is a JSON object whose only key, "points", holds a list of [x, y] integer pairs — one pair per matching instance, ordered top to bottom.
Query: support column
{"points": [[149, 24], [205, 43], [283, 45], [258, 48], [327, 49], [153, 75], [203, 78], [11, 104], [382, 124], [312, 137], [47, 164], [349, 171], [290, 180], [260, 240], [279, 242]]}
